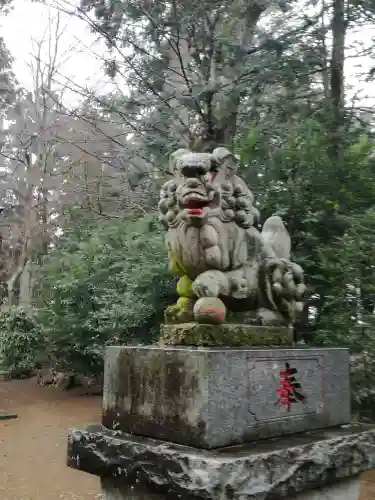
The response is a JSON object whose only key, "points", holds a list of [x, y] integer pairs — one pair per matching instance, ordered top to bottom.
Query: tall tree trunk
{"points": [[339, 26], [325, 56], [178, 78], [44, 217], [25, 286]]}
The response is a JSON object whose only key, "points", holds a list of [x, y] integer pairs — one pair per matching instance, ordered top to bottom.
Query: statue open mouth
{"points": [[195, 203]]}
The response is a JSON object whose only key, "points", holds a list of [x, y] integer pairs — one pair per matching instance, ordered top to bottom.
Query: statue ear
{"points": [[174, 158], [227, 161], [232, 165], [228, 168]]}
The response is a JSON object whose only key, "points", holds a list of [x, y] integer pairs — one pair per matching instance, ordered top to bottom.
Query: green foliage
{"points": [[291, 168], [291, 172], [347, 270], [106, 283], [347, 317], [21, 341], [363, 380]]}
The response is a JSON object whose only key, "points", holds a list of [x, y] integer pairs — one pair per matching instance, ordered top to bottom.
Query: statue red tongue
{"points": [[195, 207], [195, 211]]}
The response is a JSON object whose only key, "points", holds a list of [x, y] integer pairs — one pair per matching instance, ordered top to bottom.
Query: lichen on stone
{"points": [[225, 335]]}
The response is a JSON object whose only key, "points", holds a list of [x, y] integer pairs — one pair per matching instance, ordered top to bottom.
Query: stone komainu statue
{"points": [[215, 248]]}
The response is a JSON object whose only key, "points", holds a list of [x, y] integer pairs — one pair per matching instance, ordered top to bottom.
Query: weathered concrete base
{"points": [[227, 335], [215, 397], [284, 468], [344, 490]]}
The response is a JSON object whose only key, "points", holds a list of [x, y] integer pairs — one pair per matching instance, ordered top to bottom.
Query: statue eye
{"points": [[207, 177]]}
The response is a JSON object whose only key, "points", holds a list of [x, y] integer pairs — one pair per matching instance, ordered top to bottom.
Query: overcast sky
{"points": [[29, 20], [84, 65]]}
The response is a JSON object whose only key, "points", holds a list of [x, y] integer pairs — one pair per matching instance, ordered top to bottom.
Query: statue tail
{"points": [[276, 239]]}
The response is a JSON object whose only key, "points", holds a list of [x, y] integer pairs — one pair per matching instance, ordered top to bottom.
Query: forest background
{"points": [[285, 83]]}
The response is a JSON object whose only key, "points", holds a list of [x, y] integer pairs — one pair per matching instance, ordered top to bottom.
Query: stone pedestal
{"points": [[213, 397], [215, 423], [309, 466]]}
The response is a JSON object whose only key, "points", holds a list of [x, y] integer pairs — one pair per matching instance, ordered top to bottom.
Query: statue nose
{"points": [[193, 183]]}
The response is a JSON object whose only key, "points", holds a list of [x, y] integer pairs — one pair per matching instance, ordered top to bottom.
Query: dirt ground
{"points": [[33, 447], [368, 486]]}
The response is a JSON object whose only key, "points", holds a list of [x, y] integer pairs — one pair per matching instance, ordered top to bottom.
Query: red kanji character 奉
{"points": [[288, 390]]}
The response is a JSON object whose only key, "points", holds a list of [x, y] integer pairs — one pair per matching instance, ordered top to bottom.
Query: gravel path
{"points": [[33, 447]]}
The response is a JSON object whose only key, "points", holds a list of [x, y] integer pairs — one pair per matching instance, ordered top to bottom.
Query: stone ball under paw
{"points": [[209, 310]]}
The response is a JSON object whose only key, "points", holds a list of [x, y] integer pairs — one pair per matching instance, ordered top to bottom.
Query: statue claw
{"points": [[286, 280]]}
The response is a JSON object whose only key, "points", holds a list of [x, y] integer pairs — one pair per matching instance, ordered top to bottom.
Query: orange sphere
{"points": [[209, 310]]}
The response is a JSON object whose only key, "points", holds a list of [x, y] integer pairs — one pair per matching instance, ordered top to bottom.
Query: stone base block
{"points": [[228, 335], [210, 398], [318, 465], [344, 490]]}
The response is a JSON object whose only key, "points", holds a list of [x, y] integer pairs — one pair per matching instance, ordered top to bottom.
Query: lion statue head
{"points": [[205, 185]]}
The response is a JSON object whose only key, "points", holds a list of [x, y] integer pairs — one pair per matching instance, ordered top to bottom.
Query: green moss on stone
{"points": [[225, 335]]}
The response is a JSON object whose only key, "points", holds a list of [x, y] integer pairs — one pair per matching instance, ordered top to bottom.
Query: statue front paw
{"points": [[211, 284], [181, 312]]}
